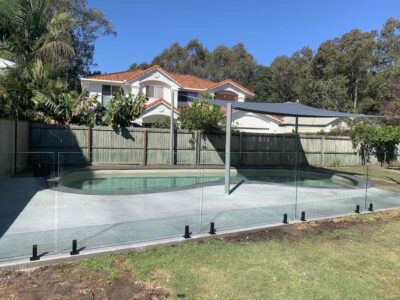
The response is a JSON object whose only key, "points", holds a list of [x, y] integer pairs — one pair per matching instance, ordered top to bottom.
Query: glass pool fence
{"points": [[62, 202]]}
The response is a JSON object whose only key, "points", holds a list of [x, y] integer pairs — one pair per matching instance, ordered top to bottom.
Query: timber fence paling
{"points": [[14, 145], [82, 145], [150, 146]]}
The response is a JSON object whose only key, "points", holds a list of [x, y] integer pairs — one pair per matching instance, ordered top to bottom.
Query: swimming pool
{"points": [[145, 181]]}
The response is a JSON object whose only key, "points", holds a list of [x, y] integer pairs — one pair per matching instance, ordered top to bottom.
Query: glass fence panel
{"points": [[384, 180], [328, 186], [262, 189], [27, 204], [106, 205]]}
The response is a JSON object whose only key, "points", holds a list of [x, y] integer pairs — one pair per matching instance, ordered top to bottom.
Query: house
{"points": [[4, 65], [163, 88], [314, 125]]}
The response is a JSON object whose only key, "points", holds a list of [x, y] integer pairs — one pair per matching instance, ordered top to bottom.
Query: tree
{"points": [[88, 25], [31, 36], [388, 45], [352, 56], [172, 58], [194, 59], [232, 63], [141, 66], [290, 76], [261, 84], [329, 94], [69, 108], [122, 109], [202, 115], [381, 139]]}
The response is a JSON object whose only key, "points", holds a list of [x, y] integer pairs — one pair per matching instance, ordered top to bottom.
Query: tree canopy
{"points": [[52, 44], [224, 62], [356, 72]]}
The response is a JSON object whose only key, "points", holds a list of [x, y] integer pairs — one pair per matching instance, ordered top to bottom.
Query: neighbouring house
{"points": [[4, 65], [161, 87], [314, 125]]}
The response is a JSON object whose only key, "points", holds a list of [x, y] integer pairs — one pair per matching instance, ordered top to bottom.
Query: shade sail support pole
{"points": [[171, 132], [228, 148], [296, 162]]}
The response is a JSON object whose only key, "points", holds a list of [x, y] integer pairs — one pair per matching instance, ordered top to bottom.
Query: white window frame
{"points": [[113, 89], [157, 91]]}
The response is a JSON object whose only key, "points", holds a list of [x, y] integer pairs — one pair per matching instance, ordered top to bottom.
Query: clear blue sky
{"points": [[267, 28]]}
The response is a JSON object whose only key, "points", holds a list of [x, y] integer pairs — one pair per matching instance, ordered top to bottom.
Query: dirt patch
{"points": [[312, 227], [65, 282]]}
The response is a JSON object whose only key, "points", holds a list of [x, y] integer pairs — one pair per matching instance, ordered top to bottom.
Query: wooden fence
{"points": [[14, 145], [77, 145], [105, 145]]}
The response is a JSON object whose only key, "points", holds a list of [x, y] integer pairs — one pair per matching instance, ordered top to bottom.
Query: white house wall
{"points": [[159, 79], [95, 87], [228, 87], [156, 113], [256, 123], [314, 125]]}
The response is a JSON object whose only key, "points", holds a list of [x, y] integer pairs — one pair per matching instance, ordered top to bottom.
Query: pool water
{"points": [[138, 183]]}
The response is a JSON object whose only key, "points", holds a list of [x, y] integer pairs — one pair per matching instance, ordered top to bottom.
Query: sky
{"points": [[268, 28]]}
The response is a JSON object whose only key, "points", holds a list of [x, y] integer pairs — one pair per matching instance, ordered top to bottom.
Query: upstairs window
{"points": [[108, 90], [154, 91], [186, 96], [226, 96]]}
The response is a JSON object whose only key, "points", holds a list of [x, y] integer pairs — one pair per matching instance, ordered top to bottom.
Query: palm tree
{"points": [[31, 35], [69, 108]]}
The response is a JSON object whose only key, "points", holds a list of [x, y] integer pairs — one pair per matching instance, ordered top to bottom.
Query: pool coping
{"points": [[361, 182]]}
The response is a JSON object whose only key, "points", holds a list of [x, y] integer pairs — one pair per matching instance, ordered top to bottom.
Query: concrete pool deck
{"points": [[33, 214]]}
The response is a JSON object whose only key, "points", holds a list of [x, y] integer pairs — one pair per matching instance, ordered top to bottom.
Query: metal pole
{"points": [[171, 131], [297, 140], [228, 147]]}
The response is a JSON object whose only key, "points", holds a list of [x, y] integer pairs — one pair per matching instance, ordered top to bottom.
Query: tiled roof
{"points": [[186, 81], [189, 81], [234, 83], [158, 101]]}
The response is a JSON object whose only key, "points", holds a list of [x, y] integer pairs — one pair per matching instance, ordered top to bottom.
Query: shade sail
{"points": [[295, 109]]}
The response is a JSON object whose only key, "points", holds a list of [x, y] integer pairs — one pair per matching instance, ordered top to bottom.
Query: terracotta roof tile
{"points": [[186, 81], [189, 81], [158, 101]]}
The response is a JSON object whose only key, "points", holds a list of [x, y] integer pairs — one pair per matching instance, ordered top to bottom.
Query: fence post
{"points": [[283, 138], [145, 143], [90, 144], [15, 145], [197, 146], [240, 148], [322, 150]]}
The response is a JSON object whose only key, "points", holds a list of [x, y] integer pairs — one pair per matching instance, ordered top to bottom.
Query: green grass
{"points": [[384, 178], [358, 262]]}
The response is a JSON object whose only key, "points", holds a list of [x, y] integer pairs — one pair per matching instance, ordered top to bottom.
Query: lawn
{"points": [[381, 177], [354, 257]]}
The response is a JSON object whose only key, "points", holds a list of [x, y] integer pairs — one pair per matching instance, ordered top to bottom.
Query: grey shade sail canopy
{"points": [[294, 109]]}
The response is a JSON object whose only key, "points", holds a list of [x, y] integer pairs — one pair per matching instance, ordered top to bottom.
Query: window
{"points": [[106, 90], [109, 90], [154, 91], [226, 96], [184, 97]]}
